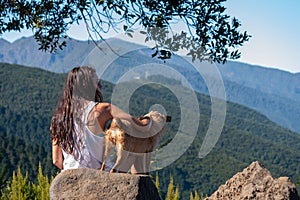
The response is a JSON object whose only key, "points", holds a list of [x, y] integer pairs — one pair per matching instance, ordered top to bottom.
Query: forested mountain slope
{"points": [[273, 92]]}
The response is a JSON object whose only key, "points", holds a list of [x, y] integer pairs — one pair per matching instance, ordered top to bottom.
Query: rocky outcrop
{"points": [[256, 182], [91, 184]]}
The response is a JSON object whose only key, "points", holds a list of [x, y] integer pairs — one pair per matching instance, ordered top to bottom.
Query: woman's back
{"points": [[89, 149]]}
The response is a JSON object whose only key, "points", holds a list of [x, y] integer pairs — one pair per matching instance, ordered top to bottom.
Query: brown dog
{"points": [[134, 143]]}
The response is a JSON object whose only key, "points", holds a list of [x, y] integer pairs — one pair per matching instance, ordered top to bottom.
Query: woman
{"points": [[79, 121]]}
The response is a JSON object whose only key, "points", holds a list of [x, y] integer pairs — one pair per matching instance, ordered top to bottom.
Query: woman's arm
{"points": [[107, 111], [57, 155]]}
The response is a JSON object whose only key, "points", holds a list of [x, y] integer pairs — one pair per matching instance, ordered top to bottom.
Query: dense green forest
{"points": [[28, 97]]}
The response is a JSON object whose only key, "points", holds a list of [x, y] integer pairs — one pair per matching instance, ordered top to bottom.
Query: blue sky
{"points": [[273, 24], [275, 29]]}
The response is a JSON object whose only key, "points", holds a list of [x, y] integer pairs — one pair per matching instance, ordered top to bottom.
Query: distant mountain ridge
{"points": [[25, 52], [272, 81], [272, 92]]}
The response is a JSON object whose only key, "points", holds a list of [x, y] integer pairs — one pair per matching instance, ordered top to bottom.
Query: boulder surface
{"points": [[256, 182], [94, 184]]}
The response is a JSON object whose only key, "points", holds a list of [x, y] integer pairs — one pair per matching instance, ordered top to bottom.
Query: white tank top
{"points": [[89, 155]]}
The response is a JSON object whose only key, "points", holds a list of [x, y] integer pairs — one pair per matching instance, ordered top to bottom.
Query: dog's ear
{"points": [[168, 119]]}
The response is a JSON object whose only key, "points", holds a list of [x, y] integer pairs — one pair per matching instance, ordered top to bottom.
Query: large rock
{"points": [[256, 182], [94, 184]]}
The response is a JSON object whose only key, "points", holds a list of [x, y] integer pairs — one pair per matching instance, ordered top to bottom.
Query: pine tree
{"points": [[157, 184], [19, 189], [41, 191], [170, 194], [177, 194], [191, 196], [197, 197]]}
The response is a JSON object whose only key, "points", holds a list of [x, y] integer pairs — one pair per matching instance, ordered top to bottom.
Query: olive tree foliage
{"points": [[207, 33]]}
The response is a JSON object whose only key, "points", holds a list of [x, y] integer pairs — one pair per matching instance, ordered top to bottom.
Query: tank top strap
{"points": [[88, 109]]}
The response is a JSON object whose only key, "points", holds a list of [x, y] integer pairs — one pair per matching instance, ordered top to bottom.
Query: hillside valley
{"points": [[272, 92]]}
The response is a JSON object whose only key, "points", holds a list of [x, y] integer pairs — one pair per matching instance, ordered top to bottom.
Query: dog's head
{"points": [[158, 120]]}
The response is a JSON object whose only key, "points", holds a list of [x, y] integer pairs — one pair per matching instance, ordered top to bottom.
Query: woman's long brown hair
{"points": [[81, 84]]}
